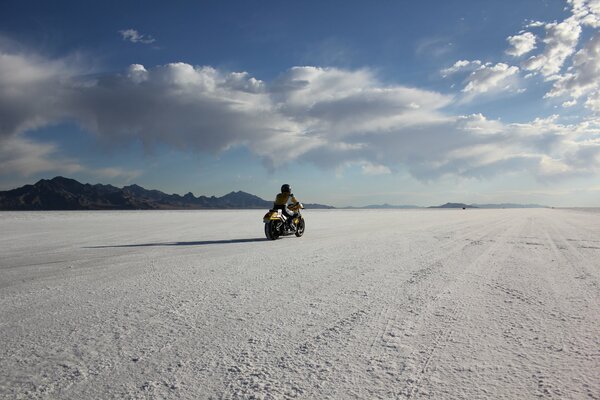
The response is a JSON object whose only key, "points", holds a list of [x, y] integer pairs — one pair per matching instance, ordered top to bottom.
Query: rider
{"points": [[281, 203]]}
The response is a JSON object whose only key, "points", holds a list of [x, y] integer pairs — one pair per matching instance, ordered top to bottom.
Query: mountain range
{"points": [[62, 193], [451, 205], [501, 205], [384, 206]]}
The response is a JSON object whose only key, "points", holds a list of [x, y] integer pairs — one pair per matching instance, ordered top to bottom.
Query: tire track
{"points": [[578, 263], [422, 274], [451, 316], [252, 373]]}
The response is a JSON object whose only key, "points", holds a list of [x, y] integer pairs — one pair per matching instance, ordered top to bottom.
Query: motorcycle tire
{"points": [[300, 227], [271, 231]]}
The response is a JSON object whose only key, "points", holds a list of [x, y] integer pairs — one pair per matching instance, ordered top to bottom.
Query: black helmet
{"points": [[286, 188]]}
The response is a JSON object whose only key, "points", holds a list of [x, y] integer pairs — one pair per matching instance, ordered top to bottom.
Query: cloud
{"points": [[587, 12], [535, 24], [133, 36], [561, 38], [559, 43], [521, 44], [461, 65], [583, 77], [483, 78], [489, 78], [580, 80], [31, 91], [339, 103], [189, 108], [327, 116], [561, 148], [20, 156], [24, 157], [375, 169], [117, 173]]}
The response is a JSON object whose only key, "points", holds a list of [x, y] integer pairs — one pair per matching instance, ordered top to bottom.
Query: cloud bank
{"points": [[330, 117]]}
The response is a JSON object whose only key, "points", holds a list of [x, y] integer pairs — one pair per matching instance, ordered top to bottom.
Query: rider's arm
{"points": [[294, 199]]}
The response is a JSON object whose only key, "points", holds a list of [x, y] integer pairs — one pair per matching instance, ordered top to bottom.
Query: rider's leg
{"points": [[290, 215]]}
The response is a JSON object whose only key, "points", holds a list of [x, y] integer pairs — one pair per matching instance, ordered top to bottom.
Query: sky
{"points": [[350, 102]]}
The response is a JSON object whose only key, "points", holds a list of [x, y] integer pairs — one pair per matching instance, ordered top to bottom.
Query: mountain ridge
{"points": [[60, 193], [386, 206]]}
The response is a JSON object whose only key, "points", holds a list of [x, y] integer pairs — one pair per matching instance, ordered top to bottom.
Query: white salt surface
{"points": [[368, 304]]}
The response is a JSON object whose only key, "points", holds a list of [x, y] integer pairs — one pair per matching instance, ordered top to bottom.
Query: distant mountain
{"points": [[68, 194], [454, 205], [501, 205], [509, 205], [383, 207]]}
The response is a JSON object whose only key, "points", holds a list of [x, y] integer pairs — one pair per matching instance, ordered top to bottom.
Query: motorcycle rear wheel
{"points": [[300, 227], [271, 231]]}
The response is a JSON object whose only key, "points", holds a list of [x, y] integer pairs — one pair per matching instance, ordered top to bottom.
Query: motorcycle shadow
{"points": [[195, 243]]}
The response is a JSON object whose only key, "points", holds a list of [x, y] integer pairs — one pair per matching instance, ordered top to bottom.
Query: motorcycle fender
{"points": [[273, 215]]}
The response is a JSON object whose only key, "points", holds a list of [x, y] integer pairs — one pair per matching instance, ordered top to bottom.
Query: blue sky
{"points": [[353, 103]]}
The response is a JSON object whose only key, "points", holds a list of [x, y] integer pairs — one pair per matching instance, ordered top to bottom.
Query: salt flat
{"points": [[368, 304]]}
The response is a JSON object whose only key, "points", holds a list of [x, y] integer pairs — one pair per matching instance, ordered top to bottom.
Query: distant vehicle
{"points": [[277, 224]]}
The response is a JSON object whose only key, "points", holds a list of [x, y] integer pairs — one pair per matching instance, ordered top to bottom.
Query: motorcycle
{"points": [[276, 223]]}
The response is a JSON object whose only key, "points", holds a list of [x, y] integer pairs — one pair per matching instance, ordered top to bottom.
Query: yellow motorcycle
{"points": [[277, 224]]}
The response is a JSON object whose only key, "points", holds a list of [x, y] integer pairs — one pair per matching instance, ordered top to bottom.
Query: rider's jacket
{"points": [[282, 199]]}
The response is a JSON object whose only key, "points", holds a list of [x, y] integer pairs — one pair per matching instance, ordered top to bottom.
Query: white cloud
{"points": [[586, 11], [535, 24], [133, 36], [562, 38], [559, 43], [521, 44], [461, 65], [137, 73], [583, 77], [484, 78], [488, 78], [581, 80], [31, 90], [593, 102], [340, 103], [327, 116], [479, 124], [20, 156], [24, 157], [550, 167], [375, 169], [117, 173]]}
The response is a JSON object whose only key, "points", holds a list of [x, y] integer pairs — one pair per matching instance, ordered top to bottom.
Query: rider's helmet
{"points": [[286, 188]]}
